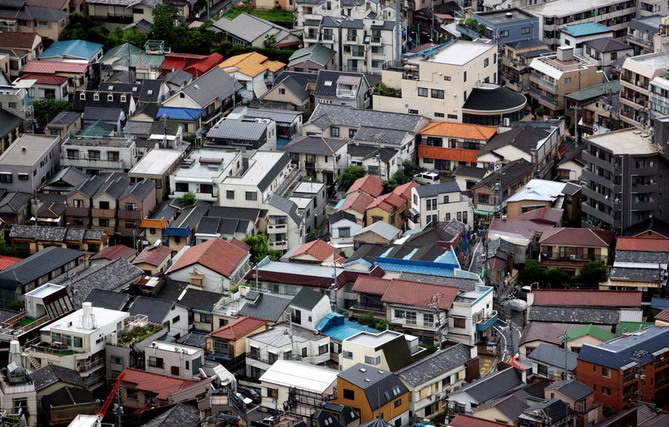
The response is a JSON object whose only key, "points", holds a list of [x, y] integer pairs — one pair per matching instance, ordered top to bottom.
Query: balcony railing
{"points": [[75, 211], [103, 213], [131, 215], [487, 322], [59, 351], [89, 366]]}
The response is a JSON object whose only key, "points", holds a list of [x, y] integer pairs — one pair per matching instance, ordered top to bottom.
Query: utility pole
{"points": [[434, 305], [289, 319]]}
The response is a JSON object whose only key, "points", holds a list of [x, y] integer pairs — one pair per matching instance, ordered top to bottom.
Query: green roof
{"points": [[316, 53], [130, 55], [595, 91], [8, 122], [625, 327], [592, 330]]}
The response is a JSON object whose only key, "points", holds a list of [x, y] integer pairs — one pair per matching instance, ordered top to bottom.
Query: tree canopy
{"points": [[46, 110], [350, 175], [260, 248]]}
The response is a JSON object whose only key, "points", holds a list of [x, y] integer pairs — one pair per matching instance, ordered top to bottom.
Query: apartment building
{"points": [[23, 16], [501, 26], [642, 33], [578, 34], [365, 35], [516, 59], [637, 73], [554, 76], [454, 83], [95, 155], [29, 162], [202, 172], [621, 175], [438, 203], [285, 225], [77, 341], [387, 350], [174, 360], [17, 390]]}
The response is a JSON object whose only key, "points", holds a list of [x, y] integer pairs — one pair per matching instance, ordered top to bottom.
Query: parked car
{"points": [[424, 178], [250, 393], [243, 399]]}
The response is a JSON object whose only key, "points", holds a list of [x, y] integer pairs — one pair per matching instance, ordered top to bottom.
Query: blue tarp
{"points": [[175, 113]]}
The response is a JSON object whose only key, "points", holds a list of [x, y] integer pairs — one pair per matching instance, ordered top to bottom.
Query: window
{"points": [[525, 30], [504, 33], [614, 56], [486, 62], [464, 76], [447, 78], [567, 80], [422, 91], [437, 93], [96, 97], [110, 98], [123, 98], [412, 111], [438, 114], [453, 116], [334, 131], [352, 132], [72, 154], [93, 155], [113, 156], [23, 176], [181, 187], [207, 188], [230, 194], [251, 195], [445, 199], [103, 204], [431, 204], [130, 207], [103, 222], [344, 231], [400, 314], [411, 317], [176, 319], [428, 319], [459, 322], [77, 342], [322, 349], [304, 352], [254, 353], [287, 355], [347, 355], [272, 357], [116, 360], [372, 360], [156, 362], [174, 370], [606, 372], [606, 391], [272, 392], [349, 394], [397, 403], [20, 405]]}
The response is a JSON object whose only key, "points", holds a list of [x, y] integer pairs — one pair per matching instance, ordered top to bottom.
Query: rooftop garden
{"points": [[273, 15], [138, 334]]}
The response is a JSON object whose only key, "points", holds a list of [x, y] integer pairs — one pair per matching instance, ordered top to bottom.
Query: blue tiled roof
{"points": [[588, 28], [72, 49], [176, 113], [177, 232], [659, 303], [338, 328], [637, 347]]}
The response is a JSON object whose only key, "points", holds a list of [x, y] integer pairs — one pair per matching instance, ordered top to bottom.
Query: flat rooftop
{"points": [[568, 7], [505, 15], [461, 52], [651, 60], [79, 141], [627, 141], [35, 147], [156, 162], [205, 163], [260, 164], [309, 187], [301, 202], [44, 290], [72, 322], [374, 340], [176, 348]]}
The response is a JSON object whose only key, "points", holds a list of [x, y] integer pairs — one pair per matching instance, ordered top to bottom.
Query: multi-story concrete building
{"points": [[501, 26], [642, 32], [366, 35], [576, 35], [516, 59], [554, 76], [636, 76], [455, 83], [95, 155], [29, 162], [202, 172], [622, 179], [438, 202], [77, 341], [387, 350], [174, 360], [17, 390]]}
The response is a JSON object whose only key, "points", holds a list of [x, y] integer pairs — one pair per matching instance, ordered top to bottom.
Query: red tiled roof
{"points": [[18, 40], [202, 66], [54, 67], [45, 79], [459, 130], [444, 153], [370, 184], [404, 190], [357, 202], [387, 202], [548, 215], [522, 227], [578, 237], [642, 244], [241, 245], [318, 249], [115, 252], [153, 255], [218, 255], [8, 261], [406, 292], [594, 298], [662, 316], [239, 328], [162, 385], [462, 420]]}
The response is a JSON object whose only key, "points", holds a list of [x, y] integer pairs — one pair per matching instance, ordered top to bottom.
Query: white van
{"points": [[426, 178]]}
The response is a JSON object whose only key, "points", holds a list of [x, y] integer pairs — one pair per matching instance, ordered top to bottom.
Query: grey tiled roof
{"points": [[214, 84], [351, 117], [237, 129], [316, 145], [368, 151], [436, 189], [285, 205], [55, 234], [37, 265], [107, 276], [307, 298], [107, 299], [267, 307], [155, 309], [585, 315], [194, 339], [554, 356], [435, 364], [52, 374], [493, 385], [380, 387], [572, 389], [180, 414]]}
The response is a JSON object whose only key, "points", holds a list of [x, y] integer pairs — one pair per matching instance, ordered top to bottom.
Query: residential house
{"points": [[121, 12], [21, 16], [500, 26], [249, 30], [578, 34], [366, 35], [21, 48], [72, 51], [606, 52], [311, 59], [516, 59], [143, 63], [190, 63], [253, 70], [637, 73], [78, 74], [45, 86], [341, 88], [291, 91], [466, 92], [109, 96], [201, 102], [65, 123], [9, 132], [242, 133], [444, 146], [95, 155], [321, 159], [157, 165], [26, 170], [202, 172], [498, 185], [549, 199], [136, 203], [438, 203], [356, 204], [105, 205], [390, 208], [155, 223], [285, 226], [343, 226], [212, 227], [180, 232], [377, 233], [30, 239], [570, 248], [314, 252], [154, 260], [638, 263], [44, 266], [213, 266], [108, 299], [261, 305], [200, 306], [308, 308], [170, 314], [552, 333], [136, 334], [587, 334], [283, 342], [228, 344], [388, 350], [174, 360], [552, 362], [617, 370], [432, 378], [297, 387], [141, 389], [375, 393], [62, 394], [18, 395], [475, 395], [579, 397]]}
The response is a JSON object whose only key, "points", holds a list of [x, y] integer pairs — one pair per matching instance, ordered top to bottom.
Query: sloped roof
{"points": [[18, 40], [73, 49], [316, 53], [250, 64], [459, 130], [317, 145], [370, 184], [357, 202], [387, 202], [548, 215], [652, 224], [382, 229], [578, 237], [642, 244], [318, 249], [115, 252], [153, 255], [218, 255], [37, 265], [409, 293], [307, 298], [589, 298], [264, 306], [574, 314], [662, 316], [239, 328], [591, 330], [621, 351], [554, 356], [435, 364], [52, 374], [162, 385], [493, 385], [380, 386], [572, 389], [178, 415], [462, 420]]}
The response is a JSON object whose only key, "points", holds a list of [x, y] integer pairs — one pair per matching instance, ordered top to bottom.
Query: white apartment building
{"points": [[365, 35], [637, 74], [446, 86], [95, 155], [202, 172], [439, 202], [284, 225], [471, 317], [77, 341], [373, 348], [174, 360]]}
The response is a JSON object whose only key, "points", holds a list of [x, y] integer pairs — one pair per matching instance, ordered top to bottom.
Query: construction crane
{"points": [[110, 397]]}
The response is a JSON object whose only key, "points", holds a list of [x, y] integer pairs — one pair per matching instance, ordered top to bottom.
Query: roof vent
{"points": [[509, 15], [24, 149], [363, 370], [367, 380]]}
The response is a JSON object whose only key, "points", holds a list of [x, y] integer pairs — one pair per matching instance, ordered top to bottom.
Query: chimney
{"points": [[565, 53], [87, 317], [15, 352]]}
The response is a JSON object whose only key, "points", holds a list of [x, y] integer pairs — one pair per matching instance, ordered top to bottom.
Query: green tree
{"points": [[163, 26], [83, 27], [129, 35], [269, 41], [46, 110], [410, 169], [350, 175], [187, 200], [260, 248], [6, 249], [531, 273], [592, 273], [556, 277]]}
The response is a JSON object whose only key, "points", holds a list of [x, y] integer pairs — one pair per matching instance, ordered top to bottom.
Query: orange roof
{"points": [[250, 64], [459, 130], [443, 153], [370, 184], [404, 190], [357, 202], [387, 202], [641, 244], [318, 249], [218, 255], [8, 261], [662, 316], [239, 328], [162, 385]]}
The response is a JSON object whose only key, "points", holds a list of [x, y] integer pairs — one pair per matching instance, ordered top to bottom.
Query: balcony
{"points": [[351, 39], [377, 40], [639, 41], [543, 83], [346, 93], [544, 99], [94, 163], [644, 188], [644, 206], [72, 211], [103, 213], [134, 215], [602, 216], [486, 323], [58, 350], [90, 366]]}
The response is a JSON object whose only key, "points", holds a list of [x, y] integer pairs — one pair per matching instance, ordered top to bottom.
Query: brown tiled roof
{"points": [[19, 40], [459, 130], [370, 184], [404, 190], [357, 202], [387, 202], [549, 215], [578, 237], [642, 244], [318, 249], [115, 252], [153, 255], [218, 255], [406, 292], [592, 298], [662, 316], [239, 328], [161, 385], [462, 420]]}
